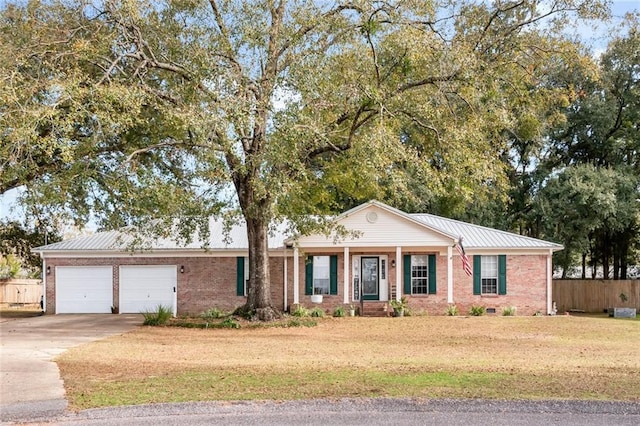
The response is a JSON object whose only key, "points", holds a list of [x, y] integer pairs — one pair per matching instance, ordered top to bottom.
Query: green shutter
{"points": [[333, 274], [407, 274], [432, 274], [502, 274], [240, 276], [308, 276], [477, 277]]}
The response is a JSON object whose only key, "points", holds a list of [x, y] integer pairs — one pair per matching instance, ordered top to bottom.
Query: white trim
{"points": [[166, 253], [346, 263], [399, 267], [449, 274], [296, 276], [285, 279], [549, 282], [44, 285]]}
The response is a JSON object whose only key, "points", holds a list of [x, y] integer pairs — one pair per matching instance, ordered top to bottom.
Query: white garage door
{"points": [[144, 288], [84, 289]]}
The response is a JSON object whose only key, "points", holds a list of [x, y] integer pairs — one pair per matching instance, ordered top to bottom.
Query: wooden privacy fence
{"points": [[20, 292], [595, 295]]}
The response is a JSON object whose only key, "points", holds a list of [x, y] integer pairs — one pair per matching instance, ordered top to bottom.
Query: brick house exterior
{"points": [[391, 255]]}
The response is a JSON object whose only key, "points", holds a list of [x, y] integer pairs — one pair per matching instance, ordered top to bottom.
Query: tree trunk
{"points": [[584, 265], [259, 287]]}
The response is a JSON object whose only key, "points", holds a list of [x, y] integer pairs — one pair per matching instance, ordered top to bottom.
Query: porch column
{"points": [[398, 272], [296, 274], [345, 274], [449, 274], [285, 278], [549, 282]]}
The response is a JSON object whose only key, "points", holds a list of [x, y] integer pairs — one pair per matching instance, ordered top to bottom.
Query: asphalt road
{"points": [[366, 412]]}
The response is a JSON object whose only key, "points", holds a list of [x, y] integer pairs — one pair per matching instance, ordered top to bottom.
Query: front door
{"points": [[370, 278]]}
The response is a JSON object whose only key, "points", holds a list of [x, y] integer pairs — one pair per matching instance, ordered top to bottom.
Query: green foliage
{"points": [[125, 113], [19, 239], [9, 266], [623, 297], [399, 304], [300, 311], [339, 311], [452, 311], [477, 311], [508, 311], [316, 312], [213, 313], [158, 317], [229, 323]]}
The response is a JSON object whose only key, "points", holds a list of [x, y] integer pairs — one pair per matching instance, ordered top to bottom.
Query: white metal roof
{"points": [[474, 236], [234, 238]]}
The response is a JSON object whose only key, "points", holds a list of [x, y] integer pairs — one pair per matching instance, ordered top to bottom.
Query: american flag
{"points": [[466, 266]]}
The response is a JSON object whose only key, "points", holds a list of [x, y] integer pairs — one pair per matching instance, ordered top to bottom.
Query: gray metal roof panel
{"points": [[476, 236], [234, 238]]}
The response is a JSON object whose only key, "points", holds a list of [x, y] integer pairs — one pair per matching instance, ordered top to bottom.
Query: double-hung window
{"points": [[321, 274], [420, 274], [489, 274]]}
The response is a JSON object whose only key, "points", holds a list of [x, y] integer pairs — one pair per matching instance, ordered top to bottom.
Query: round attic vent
{"points": [[372, 217]]}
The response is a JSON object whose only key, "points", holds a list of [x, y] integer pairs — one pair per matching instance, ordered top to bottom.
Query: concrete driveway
{"points": [[31, 385]]}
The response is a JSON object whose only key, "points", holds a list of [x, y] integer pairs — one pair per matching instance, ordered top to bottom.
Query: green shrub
{"points": [[300, 311], [339, 311], [452, 311], [477, 311], [508, 311], [316, 312], [213, 313], [159, 317], [228, 323]]}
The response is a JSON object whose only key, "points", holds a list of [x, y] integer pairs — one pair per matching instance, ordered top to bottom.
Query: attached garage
{"points": [[144, 287], [84, 289]]}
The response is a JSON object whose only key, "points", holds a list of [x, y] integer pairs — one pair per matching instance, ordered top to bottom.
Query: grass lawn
{"points": [[566, 357]]}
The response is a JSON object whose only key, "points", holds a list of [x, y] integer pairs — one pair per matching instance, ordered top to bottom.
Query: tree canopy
{"points": [[176, 110]]}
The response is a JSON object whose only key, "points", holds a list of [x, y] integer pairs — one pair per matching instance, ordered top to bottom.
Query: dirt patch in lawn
{"points": [[488, 357]]}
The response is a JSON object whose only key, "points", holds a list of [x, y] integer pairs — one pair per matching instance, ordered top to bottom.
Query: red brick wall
{"points": [[206, 282], [211, 282], [526, 287]]}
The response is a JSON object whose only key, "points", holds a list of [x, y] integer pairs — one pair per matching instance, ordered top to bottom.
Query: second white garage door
{"points": [[144, 287]]}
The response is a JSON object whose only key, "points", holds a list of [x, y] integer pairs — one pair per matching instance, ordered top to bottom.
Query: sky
{"points": [[596, 37]]}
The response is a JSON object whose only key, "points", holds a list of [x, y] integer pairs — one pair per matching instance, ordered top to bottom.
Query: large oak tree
{"points": [[176, 110]]}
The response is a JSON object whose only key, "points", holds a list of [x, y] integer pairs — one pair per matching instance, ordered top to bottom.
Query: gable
{"points": [[379, 226]]}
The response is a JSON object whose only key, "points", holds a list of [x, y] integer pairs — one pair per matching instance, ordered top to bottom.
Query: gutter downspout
{"points": [[44, 282], [550, 282]]}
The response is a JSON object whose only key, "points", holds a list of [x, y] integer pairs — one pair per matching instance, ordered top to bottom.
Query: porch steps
{"points": [[376, 309]]}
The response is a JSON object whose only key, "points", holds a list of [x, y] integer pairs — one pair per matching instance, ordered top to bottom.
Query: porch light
{"points": [[393, 263], [182, 269], [48, 270]]}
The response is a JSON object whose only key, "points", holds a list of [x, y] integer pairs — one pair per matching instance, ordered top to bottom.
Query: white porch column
{"points": [[399, 266], [345, 274], [449, 274], [296, 275], [285, 278], [549, 282]]}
